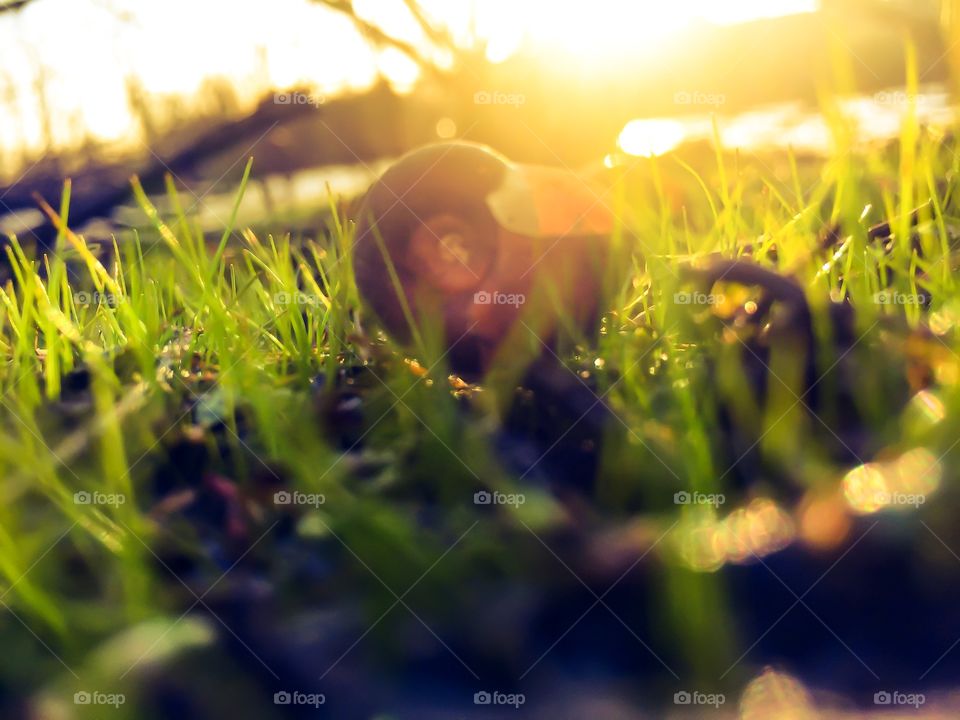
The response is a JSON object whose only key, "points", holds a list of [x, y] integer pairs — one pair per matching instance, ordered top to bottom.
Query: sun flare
{"points": [[610, 29], [566, 38]]}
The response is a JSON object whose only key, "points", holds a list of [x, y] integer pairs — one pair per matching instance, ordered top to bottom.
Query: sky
{"points": [[84, 51]]}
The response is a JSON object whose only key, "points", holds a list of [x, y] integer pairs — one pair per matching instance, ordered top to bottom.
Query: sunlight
{"points": [[611, 28], [301, 44], [648, 138]]}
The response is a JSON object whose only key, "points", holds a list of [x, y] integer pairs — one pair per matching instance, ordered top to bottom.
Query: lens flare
{"points": [[648, 138], [926, 409], [903, 483], [824, 519], [746, 534], [776, 695]]}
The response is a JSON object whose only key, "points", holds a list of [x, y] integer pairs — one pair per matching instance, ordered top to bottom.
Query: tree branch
{"points": [[12, 5], [377, 36]]}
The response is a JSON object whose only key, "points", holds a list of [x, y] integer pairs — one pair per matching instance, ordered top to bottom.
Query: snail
{"points": [[456, 237]]}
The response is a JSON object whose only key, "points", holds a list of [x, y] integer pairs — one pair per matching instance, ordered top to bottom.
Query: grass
{"points": [[254, 353]]}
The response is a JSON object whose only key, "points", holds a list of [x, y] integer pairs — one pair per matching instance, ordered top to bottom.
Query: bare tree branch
{"points": [[12, 5], [377, 36], [437, 36]]}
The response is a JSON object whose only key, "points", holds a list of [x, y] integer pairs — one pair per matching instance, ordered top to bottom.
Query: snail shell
{"points": [[478, 244]]}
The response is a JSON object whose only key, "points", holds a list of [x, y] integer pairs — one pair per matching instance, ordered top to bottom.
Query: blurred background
{"points": [[322, 91]]}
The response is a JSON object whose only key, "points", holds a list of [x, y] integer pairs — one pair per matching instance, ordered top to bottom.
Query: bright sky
{"points": [[86, 49]]}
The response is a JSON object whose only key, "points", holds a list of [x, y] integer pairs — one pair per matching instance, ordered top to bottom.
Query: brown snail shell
{"points": [[462, 228]]}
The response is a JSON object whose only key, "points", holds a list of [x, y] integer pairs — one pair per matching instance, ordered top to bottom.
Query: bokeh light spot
{"points": [[446, 128], [649, 138]]}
